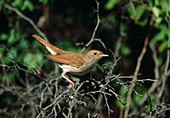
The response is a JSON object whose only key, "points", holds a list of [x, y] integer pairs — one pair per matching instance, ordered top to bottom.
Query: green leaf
{"points": [[44, 1], [27, 4], [110, 4], [24, 6], [31, 7], [140, 11], [156, 11], [158, 21], [164, 28], [162, 34], [14, 35], [3, 36], [158, 37], [11, 38], [23, 44], [163, 46], [125, 50], [12, 52], [39, 58], [31, 59], [159, 61], [94, 69], [11, 75], [122, 90], [137, 99], [118, 103]]}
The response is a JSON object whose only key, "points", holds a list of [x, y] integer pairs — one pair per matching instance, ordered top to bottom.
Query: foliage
{"points": [[110, 4]]}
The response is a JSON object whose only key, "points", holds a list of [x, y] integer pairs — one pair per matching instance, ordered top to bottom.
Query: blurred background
{"points": [[69, 25]]}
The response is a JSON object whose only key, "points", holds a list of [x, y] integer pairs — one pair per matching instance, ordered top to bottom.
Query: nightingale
{"points": [[72, 62]]}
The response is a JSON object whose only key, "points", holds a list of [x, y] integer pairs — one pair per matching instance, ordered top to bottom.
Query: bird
{"points": [[72, 62]]}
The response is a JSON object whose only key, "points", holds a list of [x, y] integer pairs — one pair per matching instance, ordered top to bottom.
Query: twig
{"points": [[27, 19], [95, 29], [100, 41], [155, 59], [137, 71], [156, 71], [135, 76], [5, 78], [42, 97], [53, 103], [107, 104]]}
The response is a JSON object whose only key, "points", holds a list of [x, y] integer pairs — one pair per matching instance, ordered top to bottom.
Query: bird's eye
{"points": [[95, 53]]}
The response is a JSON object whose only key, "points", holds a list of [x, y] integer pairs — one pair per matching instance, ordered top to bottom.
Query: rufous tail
{"points": [[51, 48]]}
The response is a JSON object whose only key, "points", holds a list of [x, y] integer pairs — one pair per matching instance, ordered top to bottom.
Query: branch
{"points": [[95, 29], [137, 71], [156, 71], [5, 79]]}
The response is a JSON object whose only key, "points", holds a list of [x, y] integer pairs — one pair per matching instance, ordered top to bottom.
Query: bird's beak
{"points": [[104, 55]]}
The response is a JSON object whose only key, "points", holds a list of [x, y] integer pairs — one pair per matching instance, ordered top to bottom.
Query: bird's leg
{"points": [[63, 75]]}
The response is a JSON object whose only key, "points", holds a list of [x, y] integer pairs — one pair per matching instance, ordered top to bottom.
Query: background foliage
{"points": [[69, 25]]}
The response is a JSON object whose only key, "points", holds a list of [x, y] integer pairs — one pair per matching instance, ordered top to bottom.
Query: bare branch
{"points": [[95, 29]]}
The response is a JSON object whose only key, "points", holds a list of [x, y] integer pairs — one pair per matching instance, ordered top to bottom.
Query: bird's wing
{"points": [[51, 48], [74, 59]]}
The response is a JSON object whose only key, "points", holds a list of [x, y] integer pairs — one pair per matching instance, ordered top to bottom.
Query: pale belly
{"points": [[77, 70]]}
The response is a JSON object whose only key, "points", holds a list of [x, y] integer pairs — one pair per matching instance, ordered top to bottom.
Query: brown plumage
{"points": [[76, 58]]}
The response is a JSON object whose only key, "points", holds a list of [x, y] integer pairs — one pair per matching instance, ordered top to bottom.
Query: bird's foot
{"points": [[71, 86]]}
